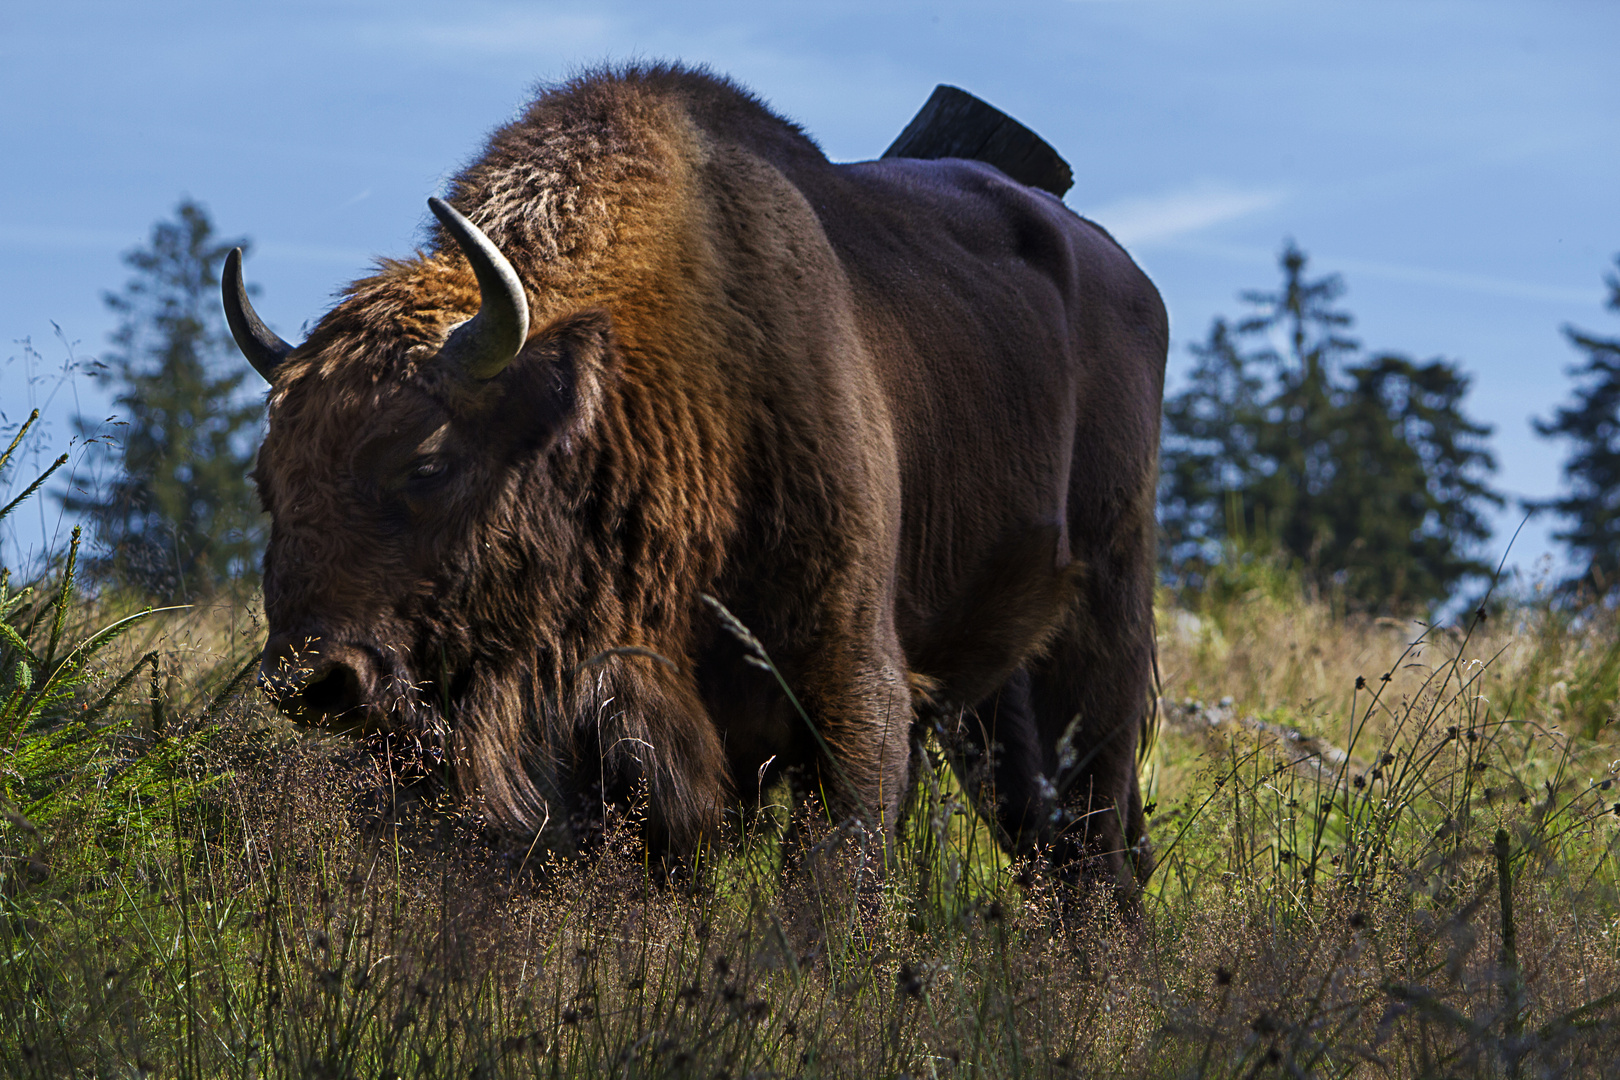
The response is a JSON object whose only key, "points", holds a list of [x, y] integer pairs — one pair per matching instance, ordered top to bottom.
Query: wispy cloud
{"points": [[507, 31], [1157, 219], [50, 237], [316, 254], [1484, 284], [1590, 295]]}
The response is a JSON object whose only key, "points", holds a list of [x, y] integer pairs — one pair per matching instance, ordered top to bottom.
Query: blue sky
{"points": [[1457, 162]]}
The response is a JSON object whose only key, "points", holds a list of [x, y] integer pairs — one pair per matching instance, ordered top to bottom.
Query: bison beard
{"points": [[900, 417]]}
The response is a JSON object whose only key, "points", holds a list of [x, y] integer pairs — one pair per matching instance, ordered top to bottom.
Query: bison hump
{"points": [[954, 123]]}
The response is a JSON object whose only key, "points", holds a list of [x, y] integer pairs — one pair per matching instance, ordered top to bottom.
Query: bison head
{"points": [[411, 472]]}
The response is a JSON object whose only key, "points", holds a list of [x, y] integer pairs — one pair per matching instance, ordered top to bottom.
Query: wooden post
{"points": [[1512, 979]]}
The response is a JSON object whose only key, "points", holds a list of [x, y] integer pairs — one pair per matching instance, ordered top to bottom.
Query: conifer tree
{"points": [[1592, 470], [1364, 471], [178, 517]]}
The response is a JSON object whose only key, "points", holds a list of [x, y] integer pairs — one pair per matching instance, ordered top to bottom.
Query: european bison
{"points": [[900, 417]]}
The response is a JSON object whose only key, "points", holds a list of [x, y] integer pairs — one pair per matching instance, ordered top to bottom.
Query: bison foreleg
{"points": [[857, 712], [652, 731]]}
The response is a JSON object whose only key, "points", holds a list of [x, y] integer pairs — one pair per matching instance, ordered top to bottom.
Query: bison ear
{"points": [[555, 384]]}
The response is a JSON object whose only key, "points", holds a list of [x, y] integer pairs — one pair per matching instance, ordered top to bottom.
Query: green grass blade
{"points": [[16, 441], [31, 488], [63, 596]]}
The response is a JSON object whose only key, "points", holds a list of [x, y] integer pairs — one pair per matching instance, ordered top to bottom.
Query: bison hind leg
{"points": [[1089, 696], [994, 750], [1049, 760]]}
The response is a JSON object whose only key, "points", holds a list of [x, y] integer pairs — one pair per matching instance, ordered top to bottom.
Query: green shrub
{"points": [[1386, 851]]}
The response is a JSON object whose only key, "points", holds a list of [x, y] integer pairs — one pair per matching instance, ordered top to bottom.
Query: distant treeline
{"points": [[1361, 470]]}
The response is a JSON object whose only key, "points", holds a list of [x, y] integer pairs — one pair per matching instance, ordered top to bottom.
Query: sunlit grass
{"points": [[1411, 876]]}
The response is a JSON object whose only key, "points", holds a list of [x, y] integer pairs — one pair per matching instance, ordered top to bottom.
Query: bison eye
{"points": [[427, 471]]}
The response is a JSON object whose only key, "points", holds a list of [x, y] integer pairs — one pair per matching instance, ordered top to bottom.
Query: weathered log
{"points": [[954, 123]]}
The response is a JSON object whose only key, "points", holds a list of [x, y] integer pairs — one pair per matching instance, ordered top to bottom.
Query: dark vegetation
{"points": [[1364, 470], [1591, 508], [173, 514], [1384, 848]]}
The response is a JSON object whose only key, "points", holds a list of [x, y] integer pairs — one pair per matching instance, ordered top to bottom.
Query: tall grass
{"points": [[1385, 850]]}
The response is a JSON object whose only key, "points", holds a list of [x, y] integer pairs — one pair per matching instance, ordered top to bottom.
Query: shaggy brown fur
{"points": [[901, 417]]}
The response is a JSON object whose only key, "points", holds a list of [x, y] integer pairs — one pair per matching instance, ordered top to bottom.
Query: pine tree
{"points": [[1211, 443], [1592, 470], [1363, 471], [1411, 489], [179, 518]]}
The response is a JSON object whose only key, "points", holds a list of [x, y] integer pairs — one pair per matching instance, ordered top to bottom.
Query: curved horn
{"points": [[483, 345], [263, 349]]}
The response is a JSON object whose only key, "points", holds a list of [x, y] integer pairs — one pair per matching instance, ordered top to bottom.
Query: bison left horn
{"points": [[483, 345], [263, 349]]}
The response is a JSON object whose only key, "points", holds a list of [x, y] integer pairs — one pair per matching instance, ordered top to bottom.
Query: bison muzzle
{"points": [[669, 391]]}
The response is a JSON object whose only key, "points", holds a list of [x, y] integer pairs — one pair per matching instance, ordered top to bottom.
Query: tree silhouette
{"points": [[1363, 470], [1592, 470], [179, 518]]}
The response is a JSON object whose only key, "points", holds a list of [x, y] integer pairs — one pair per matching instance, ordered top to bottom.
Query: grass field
{"points": [[1383, 850]]}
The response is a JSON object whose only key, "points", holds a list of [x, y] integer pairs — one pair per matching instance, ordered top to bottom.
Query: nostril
{"points": [[289, 663], [311, 678], [285, 683], [337, 691]]}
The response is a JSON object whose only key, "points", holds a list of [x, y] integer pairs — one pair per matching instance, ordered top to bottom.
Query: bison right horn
{"points": [[483, 345], [263, 349]]}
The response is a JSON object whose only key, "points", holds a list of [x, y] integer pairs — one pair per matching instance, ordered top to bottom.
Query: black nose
{"points": [[315, 680]]}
